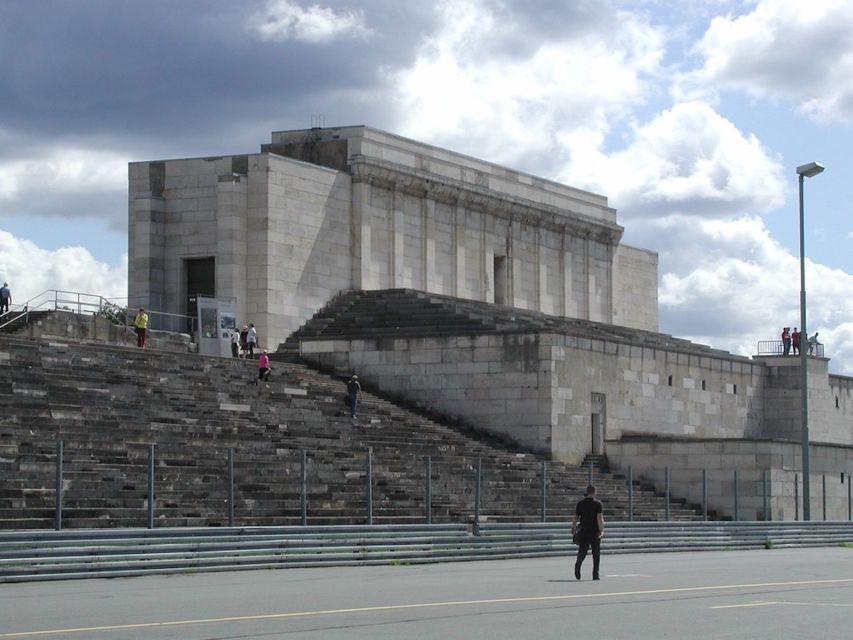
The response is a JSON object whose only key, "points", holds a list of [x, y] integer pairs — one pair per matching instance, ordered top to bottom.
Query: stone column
{"points": [[428, 226], [396, 232], [231, 241], [459, 251], [147, 255], [487, 262], [514, 271], [541, 272], [260, 274], [361, 277], [565, 277], [584, 304]]}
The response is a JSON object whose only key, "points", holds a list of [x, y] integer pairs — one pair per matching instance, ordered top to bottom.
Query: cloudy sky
{"points": [[690, 116]]}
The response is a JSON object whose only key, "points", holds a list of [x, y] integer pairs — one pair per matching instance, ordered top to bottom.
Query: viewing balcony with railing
{"points": [[777, 348]]}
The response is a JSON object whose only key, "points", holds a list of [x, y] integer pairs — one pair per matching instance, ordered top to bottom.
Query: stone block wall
{"points": [[279, 232], [405, 241], [635, 291], [91, 327], [496, 383], [540, 390], [649, 391], [829, 400], [720, 458]]}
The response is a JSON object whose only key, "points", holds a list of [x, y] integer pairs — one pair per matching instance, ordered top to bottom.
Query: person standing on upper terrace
{"points": [[5, 297], [140, 325], [252, 340], [786, 341], [795, 341], [235, 342], [813, 345]]}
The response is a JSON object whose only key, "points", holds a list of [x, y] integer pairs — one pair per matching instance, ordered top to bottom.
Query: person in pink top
{"points": [[263, 367]]}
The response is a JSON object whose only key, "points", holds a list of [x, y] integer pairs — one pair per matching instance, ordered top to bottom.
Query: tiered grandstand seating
{"points": [[409, 313], [109, 403]]}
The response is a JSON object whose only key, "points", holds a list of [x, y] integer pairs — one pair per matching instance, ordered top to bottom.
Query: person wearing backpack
{"points": [[353, 393]]}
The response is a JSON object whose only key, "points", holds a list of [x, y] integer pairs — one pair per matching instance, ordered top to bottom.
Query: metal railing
{"points": [[91, 303], [777, 348], [740, 495]]}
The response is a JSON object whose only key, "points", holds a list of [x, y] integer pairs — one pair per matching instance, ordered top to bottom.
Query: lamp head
{"points": [[809, 170]]}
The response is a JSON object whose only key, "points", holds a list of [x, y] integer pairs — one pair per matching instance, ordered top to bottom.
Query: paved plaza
{"points": [[792, 593]]}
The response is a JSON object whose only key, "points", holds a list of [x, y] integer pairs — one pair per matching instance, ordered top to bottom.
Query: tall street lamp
{"points": [[809, 170]]}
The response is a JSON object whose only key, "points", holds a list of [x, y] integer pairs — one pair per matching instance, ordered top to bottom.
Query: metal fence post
{"points": [[666, 484], [369, 485], [151, 486], [231, 487], [303, 487], [428, 488], [630, 494], [764, 494], [704, 495], [824, 495], [477, 497], [796, 497], [544, 500], [849, 500], [736, 515], [57, 520]]}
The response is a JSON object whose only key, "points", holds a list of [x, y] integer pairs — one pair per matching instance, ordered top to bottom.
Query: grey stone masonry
{"points": [[320, 211], [566, 387]]}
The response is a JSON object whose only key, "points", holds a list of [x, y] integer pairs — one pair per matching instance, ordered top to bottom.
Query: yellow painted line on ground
{"points": [[417, 605]]}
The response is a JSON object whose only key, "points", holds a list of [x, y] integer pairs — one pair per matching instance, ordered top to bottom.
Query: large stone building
{"points": [[319, 211], [566, 359]]}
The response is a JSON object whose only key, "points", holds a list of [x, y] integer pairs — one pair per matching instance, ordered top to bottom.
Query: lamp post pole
{"points": [[804, 171]]}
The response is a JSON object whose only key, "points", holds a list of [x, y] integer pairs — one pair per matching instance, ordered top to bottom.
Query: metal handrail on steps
{"points": [[92, 303]]}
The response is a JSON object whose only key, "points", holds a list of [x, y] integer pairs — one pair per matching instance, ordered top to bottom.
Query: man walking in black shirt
{"points": [[588, 525]]}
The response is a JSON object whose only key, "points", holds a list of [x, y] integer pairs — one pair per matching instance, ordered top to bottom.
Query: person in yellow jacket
{"points": [[140, 324]]}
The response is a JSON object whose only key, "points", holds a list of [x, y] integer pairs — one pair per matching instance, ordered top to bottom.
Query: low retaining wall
{"points": [[81, 326], [754, 460]]}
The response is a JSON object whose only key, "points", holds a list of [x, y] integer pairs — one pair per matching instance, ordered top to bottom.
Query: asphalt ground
{"points": [[772, 594]]}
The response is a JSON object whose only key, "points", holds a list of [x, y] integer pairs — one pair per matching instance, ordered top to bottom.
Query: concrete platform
{"points": [[768, 594]]}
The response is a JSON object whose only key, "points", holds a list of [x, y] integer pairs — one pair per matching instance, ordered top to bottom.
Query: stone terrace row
{"points": [[108, 404]]}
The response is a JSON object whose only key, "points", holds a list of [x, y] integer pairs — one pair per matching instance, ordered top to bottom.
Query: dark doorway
{"points": [[500, 279], [201, 281], [598, 425]]}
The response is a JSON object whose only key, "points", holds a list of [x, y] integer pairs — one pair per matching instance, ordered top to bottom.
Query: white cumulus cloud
{"points": [[287, 20], [796, 50], [478, 87], [688, 159], [67, 182], [31, 270], [729, 284]]}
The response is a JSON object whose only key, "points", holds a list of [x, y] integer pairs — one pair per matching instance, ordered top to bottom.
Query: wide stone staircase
{"points": [[410, 313], [108, 404]]}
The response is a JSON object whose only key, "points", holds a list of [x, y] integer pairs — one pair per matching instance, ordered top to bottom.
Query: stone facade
{"points": [[323, 210], [560, 394], [648, 408], [776, 463]]}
